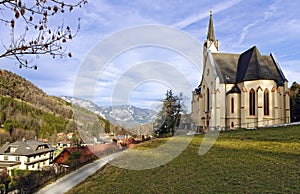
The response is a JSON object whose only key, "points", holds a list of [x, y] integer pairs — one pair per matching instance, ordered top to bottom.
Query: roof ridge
{"points": [[243, 63]]}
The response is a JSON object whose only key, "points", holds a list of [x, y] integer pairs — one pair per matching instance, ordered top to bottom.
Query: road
{"points": [[69, 181]]}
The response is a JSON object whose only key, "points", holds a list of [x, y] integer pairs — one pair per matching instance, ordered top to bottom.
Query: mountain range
{"points": [[123, 115]]}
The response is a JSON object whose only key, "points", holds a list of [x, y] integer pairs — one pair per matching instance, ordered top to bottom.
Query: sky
{"points": [[132, 52]]}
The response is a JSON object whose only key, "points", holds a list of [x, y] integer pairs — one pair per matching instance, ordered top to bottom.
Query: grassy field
{"points": [[242, 161]]}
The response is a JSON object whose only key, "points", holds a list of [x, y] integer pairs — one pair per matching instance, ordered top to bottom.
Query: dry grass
{"points": [[242, 161]]}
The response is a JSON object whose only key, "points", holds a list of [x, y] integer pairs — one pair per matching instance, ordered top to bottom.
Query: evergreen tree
{"points": [[295, 102], [168, 118]]}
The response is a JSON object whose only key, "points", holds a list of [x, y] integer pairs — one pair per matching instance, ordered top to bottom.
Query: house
{"points": [[245, 90], [63, 144], [26, 155], [80, 155], [72, 156]]}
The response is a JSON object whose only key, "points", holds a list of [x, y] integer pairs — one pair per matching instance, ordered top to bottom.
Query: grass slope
{"points": [[242, 161]]}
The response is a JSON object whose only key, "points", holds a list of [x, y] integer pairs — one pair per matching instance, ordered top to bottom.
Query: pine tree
{"points": [[168, 119]]}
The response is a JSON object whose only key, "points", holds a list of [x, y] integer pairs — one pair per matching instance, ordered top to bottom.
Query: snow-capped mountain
{"points": [[123, 115]]}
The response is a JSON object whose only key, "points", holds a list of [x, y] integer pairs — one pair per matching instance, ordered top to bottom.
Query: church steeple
{"points": [[211, 33], [211, 43]]}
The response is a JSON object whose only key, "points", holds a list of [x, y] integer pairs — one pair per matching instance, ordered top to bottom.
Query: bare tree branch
{"points": [[34, 16]]}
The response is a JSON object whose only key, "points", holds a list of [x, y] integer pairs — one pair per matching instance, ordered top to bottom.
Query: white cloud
{"points": [[204, 13], [267, 14], [142, 84]]}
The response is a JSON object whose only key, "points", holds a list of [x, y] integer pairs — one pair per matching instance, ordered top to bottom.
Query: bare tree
{"points": [[30, 32]]}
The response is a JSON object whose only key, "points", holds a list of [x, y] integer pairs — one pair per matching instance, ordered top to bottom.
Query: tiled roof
{"points": [[226, 65], [250, 65], [253, 66], [21, 148], [85, 155]]}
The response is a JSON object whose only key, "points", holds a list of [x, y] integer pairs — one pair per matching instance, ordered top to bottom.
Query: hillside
{"points": [[27, 111], [242, 161]]}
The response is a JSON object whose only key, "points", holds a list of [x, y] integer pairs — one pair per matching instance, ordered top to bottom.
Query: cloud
{"points": [[204, 14], [267, 14], [142, 75], [140, 79]]}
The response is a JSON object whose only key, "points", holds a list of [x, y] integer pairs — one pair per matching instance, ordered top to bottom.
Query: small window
{"points": [[267, 72], [227, 77], [207, 99], [252, 102], [13, 149], [5, 157], [17, 158]]}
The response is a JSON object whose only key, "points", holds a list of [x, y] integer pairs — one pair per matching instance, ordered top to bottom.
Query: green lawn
{"points": [[242, 161]]}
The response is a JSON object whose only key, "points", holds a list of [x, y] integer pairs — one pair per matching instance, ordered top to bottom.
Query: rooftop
{"points": [[250, 65], [29, 147]]}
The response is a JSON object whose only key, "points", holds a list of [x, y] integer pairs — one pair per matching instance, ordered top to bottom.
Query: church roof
{"points": [[211, 33], [226, 65], [250, 65], [234, 89]]}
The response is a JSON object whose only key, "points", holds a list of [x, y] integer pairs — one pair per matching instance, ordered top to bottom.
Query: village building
{"points": [[245, 90], [64, 144], [26, 155], [73, 156]]}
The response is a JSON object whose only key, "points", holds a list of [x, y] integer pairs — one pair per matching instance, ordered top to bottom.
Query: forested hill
{"points": [[16, 87], [28, 112]]}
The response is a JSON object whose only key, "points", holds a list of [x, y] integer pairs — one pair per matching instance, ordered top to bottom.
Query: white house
{"points": [[245, 90], [26, 155]]}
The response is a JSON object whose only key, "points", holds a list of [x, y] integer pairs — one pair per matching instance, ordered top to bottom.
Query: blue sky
{"points": [[273, 26]]}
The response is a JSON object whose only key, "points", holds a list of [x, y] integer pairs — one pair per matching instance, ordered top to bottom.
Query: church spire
{"points": [[211, 33], [211, 43]]}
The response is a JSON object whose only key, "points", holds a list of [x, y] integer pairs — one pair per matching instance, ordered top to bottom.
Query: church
{"points": [[246, 90]]}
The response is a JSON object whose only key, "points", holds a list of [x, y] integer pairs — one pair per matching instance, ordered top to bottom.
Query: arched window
{"points": [[207, 100], [252, 102], [266, 102], [232, 105]]}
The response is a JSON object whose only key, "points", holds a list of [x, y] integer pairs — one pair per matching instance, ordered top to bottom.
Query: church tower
{"points": [[211, 43]]}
